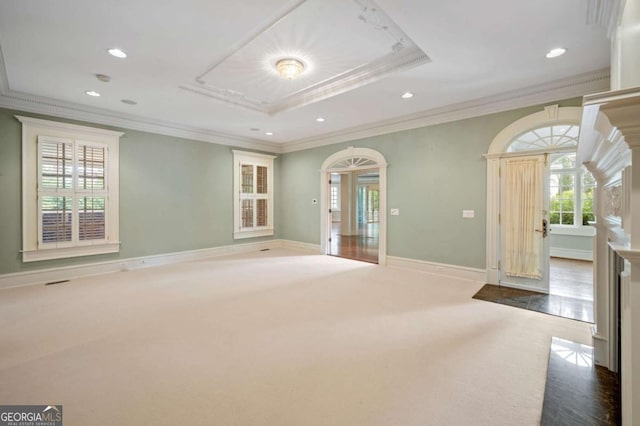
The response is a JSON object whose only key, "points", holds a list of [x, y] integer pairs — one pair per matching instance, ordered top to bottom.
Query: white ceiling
{"points": [[479, 53]]}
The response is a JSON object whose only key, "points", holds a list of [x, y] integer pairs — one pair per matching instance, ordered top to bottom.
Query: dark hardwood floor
{"points": [[363, 246], [570, 287], [577, 392]]}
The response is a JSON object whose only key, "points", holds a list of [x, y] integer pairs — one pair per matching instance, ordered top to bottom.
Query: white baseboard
{"points": [[296, 245], [571, 253], [450, 271], [42, 276]]}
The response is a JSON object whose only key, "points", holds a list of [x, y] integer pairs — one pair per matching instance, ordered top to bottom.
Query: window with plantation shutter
{"points": [[70, 190], [253, 194]]}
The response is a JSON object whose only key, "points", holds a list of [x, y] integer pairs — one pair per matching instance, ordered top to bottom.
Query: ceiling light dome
{"points": [[554, 53], [289, 68]]}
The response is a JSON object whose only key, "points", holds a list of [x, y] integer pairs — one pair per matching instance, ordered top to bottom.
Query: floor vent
{"points": [[265, 249]]}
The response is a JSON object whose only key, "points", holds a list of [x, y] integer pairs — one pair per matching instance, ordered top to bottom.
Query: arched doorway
{"points": [[362, 174], [559, 237]]}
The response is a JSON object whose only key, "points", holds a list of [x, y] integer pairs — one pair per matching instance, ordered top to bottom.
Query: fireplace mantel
{"points": [[609, 146]]}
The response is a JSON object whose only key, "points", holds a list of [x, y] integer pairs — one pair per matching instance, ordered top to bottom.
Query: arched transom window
{"points": [[564, 135], [571, 186]]}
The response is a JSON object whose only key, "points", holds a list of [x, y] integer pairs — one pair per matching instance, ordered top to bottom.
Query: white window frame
{"points": [[241, 158], [578, 200], [33, 249]]}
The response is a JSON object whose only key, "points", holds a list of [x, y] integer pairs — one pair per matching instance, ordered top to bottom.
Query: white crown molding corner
{"points": [[606, 13], [579, 85], [450, 271]]}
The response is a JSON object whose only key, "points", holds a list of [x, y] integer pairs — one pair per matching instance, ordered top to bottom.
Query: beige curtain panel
{"points": [[523, 215]]}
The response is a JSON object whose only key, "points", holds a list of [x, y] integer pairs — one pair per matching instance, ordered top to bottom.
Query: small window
{"points": [[253, 202]]}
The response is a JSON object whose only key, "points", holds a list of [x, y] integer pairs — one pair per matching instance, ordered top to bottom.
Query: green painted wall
{"points": [[434, 173], [175, 195]]}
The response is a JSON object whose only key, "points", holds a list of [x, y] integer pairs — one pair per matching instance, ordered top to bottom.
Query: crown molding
{"points": [[606, 13], [592, 82], [579, 85], [57, 108]]}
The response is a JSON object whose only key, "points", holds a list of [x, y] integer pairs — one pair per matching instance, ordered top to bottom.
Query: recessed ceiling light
{"points": [[117, 53], [554, 53], [92, 93], [407, 95], [128, 102], [319, 119], [269, 133]]}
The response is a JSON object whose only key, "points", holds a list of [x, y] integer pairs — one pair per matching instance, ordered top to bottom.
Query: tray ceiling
{"points": [[368, 47]]}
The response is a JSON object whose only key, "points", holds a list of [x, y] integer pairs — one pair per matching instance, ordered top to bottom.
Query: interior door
{"points": [[524, 222]]}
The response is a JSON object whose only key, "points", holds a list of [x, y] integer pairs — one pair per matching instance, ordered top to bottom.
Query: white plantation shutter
{"points": [[91, 190], [55, 191], [254, 191], [72, 192]]}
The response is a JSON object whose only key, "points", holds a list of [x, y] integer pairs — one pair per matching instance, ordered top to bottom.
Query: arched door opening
{"points": [[353, 200], [355, 214], [539, 236]]}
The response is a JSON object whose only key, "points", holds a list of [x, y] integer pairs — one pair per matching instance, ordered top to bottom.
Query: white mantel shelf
{"points": [[623, 250]]}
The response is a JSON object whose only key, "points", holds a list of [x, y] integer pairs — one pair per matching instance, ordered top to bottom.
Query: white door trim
{"points": [[549, 116], [328, 166]]}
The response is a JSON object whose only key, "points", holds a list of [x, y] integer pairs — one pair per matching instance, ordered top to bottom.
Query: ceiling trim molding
{"points": [[606, 13], [404, 54], [394, 62], [592, 82], [579, 85], [55, 108]]}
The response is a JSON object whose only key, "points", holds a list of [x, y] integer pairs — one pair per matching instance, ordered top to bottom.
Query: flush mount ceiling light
{"points": [[117, 53], [554, 53], [289, 68], [92, 93], [407, 95], [319, 119]]}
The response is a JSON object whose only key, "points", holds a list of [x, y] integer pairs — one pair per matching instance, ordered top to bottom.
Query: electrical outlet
{"points": [[395, 212]]}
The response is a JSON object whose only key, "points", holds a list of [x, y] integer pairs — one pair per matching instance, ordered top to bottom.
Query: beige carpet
{"points": [[275, 338]]}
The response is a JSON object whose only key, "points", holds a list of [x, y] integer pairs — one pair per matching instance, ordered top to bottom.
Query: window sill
{"points": [[579, 231], [239, 235], [61, 253]]}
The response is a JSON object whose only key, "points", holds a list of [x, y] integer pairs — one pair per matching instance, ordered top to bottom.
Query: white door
{"points": [[524, 222]]}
